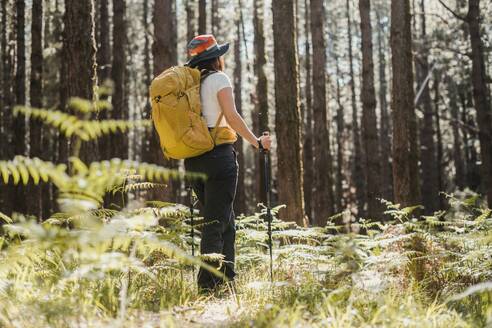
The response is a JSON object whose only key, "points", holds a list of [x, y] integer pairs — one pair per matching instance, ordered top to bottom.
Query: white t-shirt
{"points": [[208, 96]]}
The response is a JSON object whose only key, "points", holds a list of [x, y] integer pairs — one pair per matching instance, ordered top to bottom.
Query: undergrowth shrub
{"points": [[90, 262]]}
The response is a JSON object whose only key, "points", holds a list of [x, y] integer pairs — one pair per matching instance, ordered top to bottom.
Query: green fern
{"points": [[86, 130], [88, 184], [132, 187], [5, 219]]}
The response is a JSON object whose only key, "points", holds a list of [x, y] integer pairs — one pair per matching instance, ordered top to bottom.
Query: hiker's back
{"points": [[211, 110]]}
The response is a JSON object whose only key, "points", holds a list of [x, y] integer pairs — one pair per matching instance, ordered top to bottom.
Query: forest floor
{"points": [[129, 272]]}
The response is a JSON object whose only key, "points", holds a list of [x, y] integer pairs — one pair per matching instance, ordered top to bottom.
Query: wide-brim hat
{"points": [[204, 47]]}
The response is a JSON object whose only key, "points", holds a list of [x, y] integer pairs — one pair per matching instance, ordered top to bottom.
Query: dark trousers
{"points": [[216, 196]]}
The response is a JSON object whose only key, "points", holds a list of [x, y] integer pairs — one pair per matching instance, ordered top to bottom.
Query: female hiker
{"points": [[217, 193]]}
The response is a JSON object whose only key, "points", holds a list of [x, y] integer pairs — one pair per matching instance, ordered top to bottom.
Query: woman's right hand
{"points": [[266, 140]]}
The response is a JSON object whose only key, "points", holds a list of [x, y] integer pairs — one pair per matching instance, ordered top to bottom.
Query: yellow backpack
{"points": [[177, 115]]}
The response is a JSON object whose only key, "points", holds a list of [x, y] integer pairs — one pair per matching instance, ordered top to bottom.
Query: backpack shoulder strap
{"points": [[205, 73], [216, 128]]}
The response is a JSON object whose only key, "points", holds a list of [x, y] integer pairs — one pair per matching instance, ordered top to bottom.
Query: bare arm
{"points": [[226, 101]]}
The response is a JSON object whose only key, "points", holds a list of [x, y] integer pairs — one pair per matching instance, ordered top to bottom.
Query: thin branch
{"points": [[460, 17]]}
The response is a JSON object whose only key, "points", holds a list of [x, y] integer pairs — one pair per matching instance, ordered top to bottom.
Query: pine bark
{"points": [[190, 8], [214, 14], [202, 17], [3, 44], [104, 46], [78, 50], [146, 53], [164, 53], [52, 63], [104, 69], [78, 74], [481, 97], [36, 99], [261, 99], [6, 100], [287, 114], [369, 119], [19, 125], [384, 131], [470, 138], [119, 143], [440, 147], [308, 154], [458, 159], [357, 160], [430, 166], [406, 191], [6, 194], [339, 196], [323, 199], [240, 200]]}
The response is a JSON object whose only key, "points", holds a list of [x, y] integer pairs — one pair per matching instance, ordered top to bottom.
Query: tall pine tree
{"points": [[287, 113]]}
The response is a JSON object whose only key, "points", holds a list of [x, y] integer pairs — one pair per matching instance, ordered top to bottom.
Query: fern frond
{"points": [[80, 105], [85, 106], [86, 130], [21, 169], [90, 183], [138, 186], [158, 204], [102, 213], [5, 218]]}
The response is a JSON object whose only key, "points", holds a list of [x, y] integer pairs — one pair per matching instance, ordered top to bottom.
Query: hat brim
{"points": [[206, 55]]}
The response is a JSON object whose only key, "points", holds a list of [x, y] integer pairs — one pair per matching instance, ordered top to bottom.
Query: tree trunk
{"points": [[214, 14], [202, 16], [190, 19], [104, 46], [78, 50], [164, 51], [146, 54], [52, 64], [78, 64], [104, 70], [3, 84], [481, 97], [36, 98], [261, 99], [287, 114], [308, 119], [369, 119], [19, 126], [384, 132], [469, 140], [119, 142], [340, 142], [440, 148], [6, 153], [357, 160], [458, 160], [430, 166], [405, 191], [323, 199], [240, 200]]}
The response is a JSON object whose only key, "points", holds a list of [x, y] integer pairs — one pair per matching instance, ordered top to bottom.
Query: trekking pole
{"points": [[266, 172], [192, 231]]}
